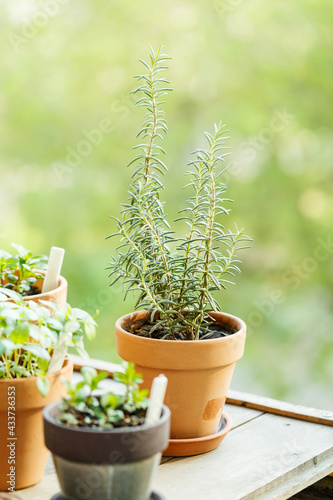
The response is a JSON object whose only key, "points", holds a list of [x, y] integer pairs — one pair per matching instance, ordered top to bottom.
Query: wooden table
{"points": [[273, 451]]}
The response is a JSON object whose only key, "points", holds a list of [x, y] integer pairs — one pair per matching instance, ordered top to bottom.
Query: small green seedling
{"points": [[19, 272], [29, 334], [83, 408]]}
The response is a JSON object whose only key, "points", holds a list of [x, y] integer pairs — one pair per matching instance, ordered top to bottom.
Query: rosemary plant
{"points": [[174, 276]]}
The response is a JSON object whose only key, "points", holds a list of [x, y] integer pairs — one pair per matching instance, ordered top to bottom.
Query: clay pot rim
{"points": [[62, 285], [240, 332], [68, 363], [89, 430], [96, 446]]}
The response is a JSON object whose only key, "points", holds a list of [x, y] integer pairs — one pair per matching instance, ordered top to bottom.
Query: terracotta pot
{"points": [[57, 296], [199, 372], [26, 450], [100, 464]]}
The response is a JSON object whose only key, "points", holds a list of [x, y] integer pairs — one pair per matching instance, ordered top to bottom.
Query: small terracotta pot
{"points": [[57, 296], [198, 371], [25, 451], [100, 464]]}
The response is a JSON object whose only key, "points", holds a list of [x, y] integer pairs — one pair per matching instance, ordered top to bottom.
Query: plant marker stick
{"points": [[54, 268], [59, 353], [157, 394]]}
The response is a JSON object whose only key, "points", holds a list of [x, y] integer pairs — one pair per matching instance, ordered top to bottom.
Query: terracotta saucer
{"points": [[195, 446], [153, 496]]}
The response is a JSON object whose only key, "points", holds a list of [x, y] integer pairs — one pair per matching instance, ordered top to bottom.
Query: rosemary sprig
{"points": [[175, 286]]}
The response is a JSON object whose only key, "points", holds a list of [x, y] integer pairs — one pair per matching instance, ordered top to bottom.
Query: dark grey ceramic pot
{"points": [[109, 464]]}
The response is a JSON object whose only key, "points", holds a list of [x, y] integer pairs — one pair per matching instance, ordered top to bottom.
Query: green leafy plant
{"points": [[19, 272], [175, 277], [29, 334], [85, 409]]}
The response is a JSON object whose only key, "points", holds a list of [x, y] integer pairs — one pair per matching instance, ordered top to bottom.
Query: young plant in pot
{"points": [[34, 276], [179, 328], [33, 346], [102, 445]]}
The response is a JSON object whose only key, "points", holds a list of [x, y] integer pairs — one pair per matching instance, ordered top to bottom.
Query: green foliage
{"points": [[242, 64], [19, 272], [174, 285], [29, 334], [43, 386], [134, 398], [83, 408]]}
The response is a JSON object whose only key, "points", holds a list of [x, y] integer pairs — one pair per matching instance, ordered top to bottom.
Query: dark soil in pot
{"points": [[34, 290], [143, 327], [129, 420]]}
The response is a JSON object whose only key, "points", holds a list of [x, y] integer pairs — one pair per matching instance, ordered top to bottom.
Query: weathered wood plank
{"points": [[97, 364], [107, 384], [236, 398], [280, 408], [241, 416], [264, 456], [268, 457], [294, 481], [49, 485], [323, 490]]}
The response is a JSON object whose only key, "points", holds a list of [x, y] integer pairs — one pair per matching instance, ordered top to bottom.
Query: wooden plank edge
{"points": [[100, 366], [235, 398], [282, 408], [292, 483]]}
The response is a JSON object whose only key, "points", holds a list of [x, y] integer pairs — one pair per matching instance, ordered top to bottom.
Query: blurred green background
{"points": [[265, 69]]}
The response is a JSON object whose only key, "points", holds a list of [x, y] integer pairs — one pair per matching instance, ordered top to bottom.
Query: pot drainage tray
{"points": [[195, 446], [153, 496]]}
